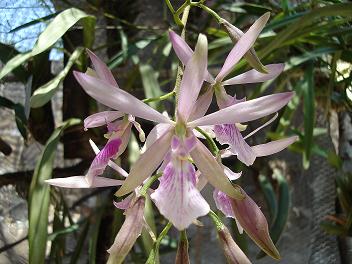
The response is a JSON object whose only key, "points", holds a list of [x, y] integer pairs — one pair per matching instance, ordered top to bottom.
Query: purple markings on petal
{"points": [[102, 118], [229, 134], [102, 158], [178, 188]]}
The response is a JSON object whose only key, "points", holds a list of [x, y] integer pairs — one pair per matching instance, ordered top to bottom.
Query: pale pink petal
{"points": [[242, 46], [184, 52], [103, 72], [254, 76], [192, 79], [118, 99], [202, 104], [245, 111], [102, 118], [138, 127], [155, 133], [229, 134], [125, 138], [273, 146], [102, 158], [147, 163], [111, 164], [212, 170], [230, 174], [201, 181], [81, 182], [177, 188], [125, 203], [254, 224], [128, 233], [232, 251]]}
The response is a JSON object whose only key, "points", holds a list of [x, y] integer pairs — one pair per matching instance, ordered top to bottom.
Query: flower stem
{"points": [[207, 9], [160, 98], [211, 143], [149, 183], [217, 222], [154, 254]]}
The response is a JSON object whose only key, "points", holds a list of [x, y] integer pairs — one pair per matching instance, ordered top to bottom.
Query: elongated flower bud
{"points": [[251, 56], [254, 223], [128, 234], [232, 252], [182, 256]]}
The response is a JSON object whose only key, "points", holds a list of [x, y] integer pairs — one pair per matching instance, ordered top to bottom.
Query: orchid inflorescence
{"points": [[173, 150]]}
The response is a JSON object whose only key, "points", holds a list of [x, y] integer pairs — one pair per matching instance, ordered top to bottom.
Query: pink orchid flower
{"points": [[229, 133], [178, 185]]}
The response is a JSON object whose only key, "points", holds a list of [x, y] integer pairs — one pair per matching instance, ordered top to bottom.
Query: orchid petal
{"points": [[242, 46], [184, 52], [103, 72], [254, 76], [192, 79], [118, 99], [202, 104], [245, 111], [102, 118], [138, 127], [158, 131], [229, 134], [273, 146], [102, 158], [147, 163], [111, 164], [212, 170], [232, 176], [201, 181], [81, 182], [178, 188], [125, 203], [254, 223], [128, 234], [232, 251]]}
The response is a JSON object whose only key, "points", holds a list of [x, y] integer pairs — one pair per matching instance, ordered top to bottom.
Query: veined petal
{"points": [[242, 46], [184, 52], [101, 69], [254, 76], [192, 79], [118, 99], [202, 104], [245, 111], [102, 118], [157, 131], [229, 134], [273, 146], [102, 158], [147, 163], [111, 164], [212, 170], [81, 182], [178, 188], [254, 224], [128, 234], [232, 251]]}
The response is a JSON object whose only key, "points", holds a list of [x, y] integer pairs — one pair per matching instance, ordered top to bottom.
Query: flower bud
{"points": [[182, 256]]}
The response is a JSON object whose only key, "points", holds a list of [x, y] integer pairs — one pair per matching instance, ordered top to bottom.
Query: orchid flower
{"points": [[119, 129], [230, 133], [178, 184]]}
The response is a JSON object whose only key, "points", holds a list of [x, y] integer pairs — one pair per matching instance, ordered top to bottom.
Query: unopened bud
{"points": [[182, 256]]}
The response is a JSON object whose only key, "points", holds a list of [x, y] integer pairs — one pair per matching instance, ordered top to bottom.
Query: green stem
{"points": [[169, 5], [207, 9], [160, 98], [211, 143], [149, 183], [217, 222], [154, 254]]}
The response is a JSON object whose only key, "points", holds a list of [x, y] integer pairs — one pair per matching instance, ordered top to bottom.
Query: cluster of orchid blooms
{"points": [[173, 151]]}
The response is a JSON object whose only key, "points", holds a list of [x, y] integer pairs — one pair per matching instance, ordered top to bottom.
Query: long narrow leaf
{"points": [[39, 197]]}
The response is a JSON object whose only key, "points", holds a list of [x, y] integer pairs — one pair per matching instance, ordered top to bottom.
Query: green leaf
{"points": [[34, 22], [54, 31], [150, 84], [43, 94], [308, 113], [20, 116], [39, 196], [269, 196], [93, 240], [80, 243]]}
